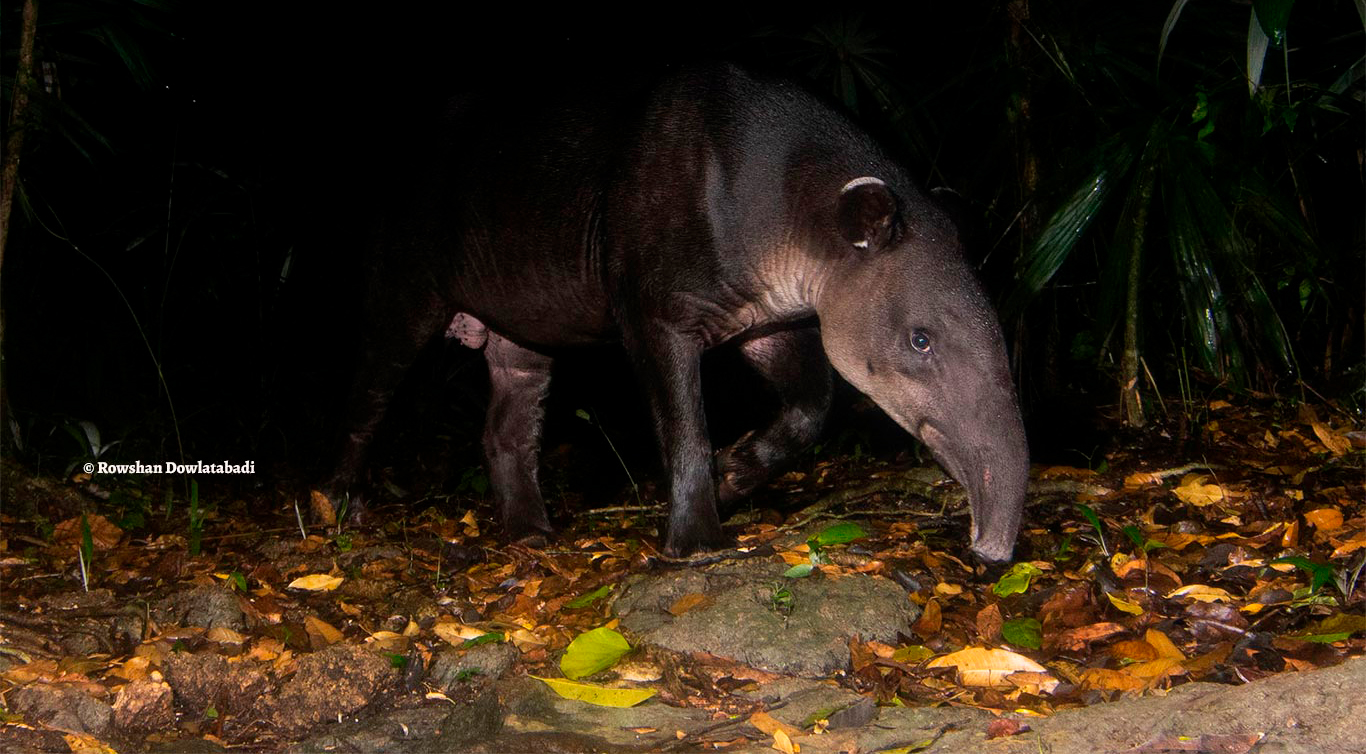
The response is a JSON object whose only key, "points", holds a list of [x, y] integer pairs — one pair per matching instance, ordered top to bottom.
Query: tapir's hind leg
{"points": [[393, 335], [792, 360], [519, 379]]}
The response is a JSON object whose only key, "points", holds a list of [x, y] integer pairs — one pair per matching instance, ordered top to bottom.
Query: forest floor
{"points": [[1200, 590]]}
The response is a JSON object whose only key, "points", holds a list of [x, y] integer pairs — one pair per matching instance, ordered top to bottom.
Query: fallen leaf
{"points": [[1334, 442], [1195, 492], [1324, 519], [317, 582], [1202, 593], [1128, 606], [320, 632], [593, 651], [979, 666], [1110, 680], [601, 696], [769, 724], [782, 742]]}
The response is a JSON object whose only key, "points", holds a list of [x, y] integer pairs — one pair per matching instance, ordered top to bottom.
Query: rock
{"points": [[207, 606], [806, 635], [452, 667], [202, 681], [330, 684], [145, 705], [63, 708]]}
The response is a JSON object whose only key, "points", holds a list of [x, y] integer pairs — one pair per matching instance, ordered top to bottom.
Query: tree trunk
{"points": [[9, 176], [1130, 401]]}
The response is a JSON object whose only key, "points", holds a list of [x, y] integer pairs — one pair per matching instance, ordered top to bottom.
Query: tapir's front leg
{"points": [[793, 363], [670, 367], [518, 380]]}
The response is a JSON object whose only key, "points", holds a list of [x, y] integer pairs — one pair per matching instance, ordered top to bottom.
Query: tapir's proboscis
{"points": [[711, 206]]}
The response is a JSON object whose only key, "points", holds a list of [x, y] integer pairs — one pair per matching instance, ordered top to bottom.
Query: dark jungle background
{"points": [[183, 262]]}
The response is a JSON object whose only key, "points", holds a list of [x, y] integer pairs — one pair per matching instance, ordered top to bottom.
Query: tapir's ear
{"points": [[867, 213]]}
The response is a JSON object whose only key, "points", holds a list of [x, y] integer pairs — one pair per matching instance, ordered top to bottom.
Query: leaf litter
{"points": [[1154, 571]]}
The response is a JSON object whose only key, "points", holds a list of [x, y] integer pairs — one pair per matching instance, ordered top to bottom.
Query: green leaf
{"points": [[1068, 225], [583, 415], [1091, 516], [838, 534], [799, 571], [1320, 574], [1016, 580], [237, 581], [584, 600], [1023, 632], [488, 638], [593, 651], [599, 695]]}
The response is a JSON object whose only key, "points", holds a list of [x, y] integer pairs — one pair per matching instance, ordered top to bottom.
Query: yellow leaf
{"points": [[1142, 478], [1192, 491], [1324, 519], [317, 582], [945, 589], [1201, 593], [1128, 606], [453, 632], [1163, 645], [979, 666], [1110, 680], [601, 696], [769, 724], [782, 742], [79, 743]]}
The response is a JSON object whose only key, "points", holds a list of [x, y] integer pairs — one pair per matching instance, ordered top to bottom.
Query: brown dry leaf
{"points": [[1334, 442], [1065, 472], [1141, 479], [322, 508], [1324, 519], [103, 534], [1291, 536], [1350, 546], [689, 603], [930, 622], [989, 622], [320, 633], [223, 635], [1076, 639], [526, 640], [266, 650], [1134, 650], [979, 666], [1153, 671], [1110, 680], [1003, 727]]}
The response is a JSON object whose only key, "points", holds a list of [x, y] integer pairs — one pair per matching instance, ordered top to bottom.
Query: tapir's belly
{"points": [[536, 296]]}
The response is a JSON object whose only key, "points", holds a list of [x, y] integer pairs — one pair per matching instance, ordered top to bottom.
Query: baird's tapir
{"points": [[709, 206]]}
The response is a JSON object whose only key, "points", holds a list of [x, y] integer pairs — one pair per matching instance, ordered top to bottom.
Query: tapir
{"points": [[711, 205]]}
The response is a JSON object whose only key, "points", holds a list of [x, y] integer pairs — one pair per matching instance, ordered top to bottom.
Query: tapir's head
{"points": [[904, 320]]}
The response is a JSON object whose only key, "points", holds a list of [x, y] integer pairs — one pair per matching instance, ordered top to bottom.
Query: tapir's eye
{"points": [[920, 341]]}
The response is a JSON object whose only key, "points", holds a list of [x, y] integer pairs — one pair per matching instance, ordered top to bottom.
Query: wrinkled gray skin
{"points": [[708, 207]]}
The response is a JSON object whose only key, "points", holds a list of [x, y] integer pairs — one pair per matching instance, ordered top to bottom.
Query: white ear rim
{"points": [[866, 180]]}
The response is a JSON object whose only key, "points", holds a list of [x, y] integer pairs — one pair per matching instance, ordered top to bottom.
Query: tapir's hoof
{"points": [[534, 537], [691, 543]]}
